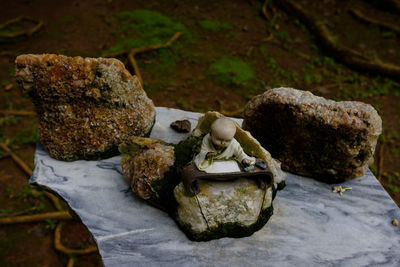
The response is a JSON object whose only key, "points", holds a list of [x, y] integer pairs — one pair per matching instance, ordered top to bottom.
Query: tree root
{"points": [[269, 13], [358, 14], [28, 32], [292, 50], [132, 52], [342, 53], [17, 112], [17, 159], [17, 213], [58, 215], [60, 247], [71, 262]]}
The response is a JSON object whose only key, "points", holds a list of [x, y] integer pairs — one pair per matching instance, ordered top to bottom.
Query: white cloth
{"points": [[234, 150]]}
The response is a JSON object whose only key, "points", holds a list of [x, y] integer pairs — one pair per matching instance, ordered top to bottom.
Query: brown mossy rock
{"points": [[86, 106], [312, 136], [147, 165]]}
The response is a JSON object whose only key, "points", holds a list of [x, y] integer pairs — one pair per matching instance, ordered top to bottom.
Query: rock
{"points": [[86, 106], [182, 126], [312, 136], [249, 144], [145, 166], [234, 208], [223, 209]]}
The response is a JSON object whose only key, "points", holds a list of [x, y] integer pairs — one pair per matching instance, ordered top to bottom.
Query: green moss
{"points": [[214, 25], [141, 27], [229, 71], [136, 144], [186, 149], [229, 229]]}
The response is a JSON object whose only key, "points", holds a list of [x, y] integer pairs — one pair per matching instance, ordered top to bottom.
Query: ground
{"points": [[229, 52]]}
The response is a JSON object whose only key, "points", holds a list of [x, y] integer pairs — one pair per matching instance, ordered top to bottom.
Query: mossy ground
{"points": [[214, 25]]}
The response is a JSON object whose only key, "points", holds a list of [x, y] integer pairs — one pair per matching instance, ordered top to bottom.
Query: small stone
{"points": [[245, 29], [86, 106], [181, 126], [312, 136], [395, 222]]}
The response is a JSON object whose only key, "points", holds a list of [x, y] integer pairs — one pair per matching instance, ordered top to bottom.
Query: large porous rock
{"points": [[86, 106], [312, 136], [147, 165], [235, 209]]}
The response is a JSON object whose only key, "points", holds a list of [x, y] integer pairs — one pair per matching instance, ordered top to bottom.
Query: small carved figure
{"points": [[220, 145], [222, 158]]}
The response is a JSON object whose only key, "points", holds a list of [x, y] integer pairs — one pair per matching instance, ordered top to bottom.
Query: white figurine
{"points": [[219, 145]]}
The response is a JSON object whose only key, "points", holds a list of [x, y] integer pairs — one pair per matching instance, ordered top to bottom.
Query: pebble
{"points": [[182, 126], [395, 222]]}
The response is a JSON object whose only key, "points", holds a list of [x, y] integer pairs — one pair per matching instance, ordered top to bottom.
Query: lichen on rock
{"points": [[86, 106], [312, 136], [146, 164], [233, 208], [223, 209]]}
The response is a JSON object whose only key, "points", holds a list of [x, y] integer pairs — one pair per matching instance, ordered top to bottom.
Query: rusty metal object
{"points": [[190, 176]]}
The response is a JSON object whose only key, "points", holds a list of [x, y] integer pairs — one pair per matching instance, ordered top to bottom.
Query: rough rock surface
{"points": [[86, 106], [181, 126], [312, 136], [145, 164], [233, 208], [237, 208], [224, 209]]}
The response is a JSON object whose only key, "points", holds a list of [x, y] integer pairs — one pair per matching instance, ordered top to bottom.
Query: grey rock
{"points": [[86, 106], [312, 136], [236, 208]]}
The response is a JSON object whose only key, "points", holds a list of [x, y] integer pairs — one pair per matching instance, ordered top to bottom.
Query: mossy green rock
{"points": [[234, 208], [223, 209]]}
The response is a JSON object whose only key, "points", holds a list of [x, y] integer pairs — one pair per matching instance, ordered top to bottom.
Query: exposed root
{"points": [[269, 13], [358, 14], [28, 32], [292, 50], [132, 52], [342, 53], [17, 113], [17, 159], [17, 213], [58, 215], [60, 247], [71, 262]]}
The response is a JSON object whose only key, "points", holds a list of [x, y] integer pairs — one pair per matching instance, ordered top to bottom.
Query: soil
{"points": [[291, 58]]}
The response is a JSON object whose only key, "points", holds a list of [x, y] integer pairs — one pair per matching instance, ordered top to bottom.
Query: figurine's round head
{"points": [[222, 132]]}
